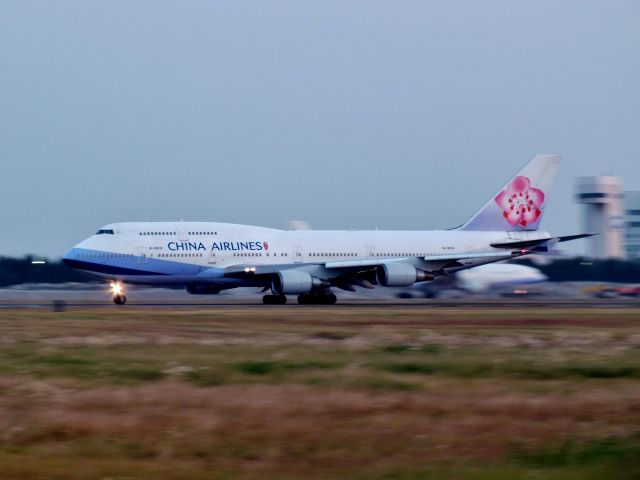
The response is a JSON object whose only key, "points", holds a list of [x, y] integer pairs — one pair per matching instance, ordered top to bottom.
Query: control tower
{"points": [[603, 214], [632, 224]]}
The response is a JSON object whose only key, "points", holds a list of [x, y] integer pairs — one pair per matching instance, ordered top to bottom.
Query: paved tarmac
{"points": [[81, 295]]}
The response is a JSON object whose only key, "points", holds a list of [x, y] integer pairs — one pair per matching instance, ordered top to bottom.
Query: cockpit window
{"points": [[103, 231]]}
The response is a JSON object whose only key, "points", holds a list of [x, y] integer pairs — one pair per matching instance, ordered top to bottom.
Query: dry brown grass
{"points": [[54, 425], [297, 428]]}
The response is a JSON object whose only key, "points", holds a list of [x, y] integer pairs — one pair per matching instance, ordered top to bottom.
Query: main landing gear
{"points": [[117, 290], [320, 298], [323, 298], [274, 299]]}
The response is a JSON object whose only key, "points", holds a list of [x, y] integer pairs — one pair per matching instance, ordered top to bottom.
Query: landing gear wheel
{"points": [[119, 299], [274, 299], [305, 299], [317, 299], [330, 299]]}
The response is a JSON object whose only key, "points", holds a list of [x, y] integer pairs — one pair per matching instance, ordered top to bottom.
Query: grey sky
{"points": [[395, 115]]}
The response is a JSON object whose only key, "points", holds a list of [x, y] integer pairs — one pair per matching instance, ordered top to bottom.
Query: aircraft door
{"points": [[181, 231], [371, 251], [142, 254], [297, 254], [212, 257]]}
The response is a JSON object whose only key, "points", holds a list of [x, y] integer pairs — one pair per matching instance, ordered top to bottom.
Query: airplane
{"points": [[208, 257], [483, 279]]}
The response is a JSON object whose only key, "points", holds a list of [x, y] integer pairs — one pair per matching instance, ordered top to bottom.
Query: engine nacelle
{"points": [[398, 274], [294, 282]]}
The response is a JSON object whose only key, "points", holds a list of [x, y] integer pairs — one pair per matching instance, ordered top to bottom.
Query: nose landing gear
{"points": [[117, 290], [119, 299]]}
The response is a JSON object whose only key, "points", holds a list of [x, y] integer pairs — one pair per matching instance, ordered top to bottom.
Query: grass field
{"points": [[320, 393]]}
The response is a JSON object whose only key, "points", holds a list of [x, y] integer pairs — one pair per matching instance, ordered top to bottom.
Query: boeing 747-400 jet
{"points": [[208, 257]]}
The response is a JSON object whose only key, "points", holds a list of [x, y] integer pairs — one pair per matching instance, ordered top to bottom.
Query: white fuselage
{"points": [[204, 252]]}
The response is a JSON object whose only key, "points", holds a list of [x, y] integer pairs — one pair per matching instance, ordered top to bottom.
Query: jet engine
{"points": [[398, 274], [293, 281]]}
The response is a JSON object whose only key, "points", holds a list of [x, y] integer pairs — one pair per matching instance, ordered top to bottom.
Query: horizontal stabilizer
{"points": [[568, 238], [540, 241]]}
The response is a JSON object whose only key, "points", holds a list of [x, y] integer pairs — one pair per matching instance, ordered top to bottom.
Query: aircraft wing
{"points": [[512, 249]]}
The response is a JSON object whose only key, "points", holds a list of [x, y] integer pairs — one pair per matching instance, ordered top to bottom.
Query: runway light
{"points": [[116, 288]]}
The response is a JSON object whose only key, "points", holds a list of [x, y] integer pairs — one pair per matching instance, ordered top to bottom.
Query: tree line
{"points": [[580, 269], [16, 271]]}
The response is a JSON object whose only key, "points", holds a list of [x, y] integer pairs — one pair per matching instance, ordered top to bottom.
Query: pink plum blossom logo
{"points": [[520, 202], [265, 245]]}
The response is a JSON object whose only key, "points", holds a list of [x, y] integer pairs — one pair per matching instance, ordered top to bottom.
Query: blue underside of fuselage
{"points": [[144, 269]]}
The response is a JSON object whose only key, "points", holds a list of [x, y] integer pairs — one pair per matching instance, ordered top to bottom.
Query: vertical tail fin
{"points": [[520, 204]]}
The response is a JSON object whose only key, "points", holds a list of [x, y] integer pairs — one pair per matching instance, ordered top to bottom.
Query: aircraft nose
{"points": [[69, 257]]}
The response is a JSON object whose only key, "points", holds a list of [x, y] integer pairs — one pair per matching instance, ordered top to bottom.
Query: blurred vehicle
{"points": [[483, 279], [608, 291]]}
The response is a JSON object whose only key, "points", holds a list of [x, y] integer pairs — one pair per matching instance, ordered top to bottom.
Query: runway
{"points": [[75, 296], [76, 301], [383, 304]]}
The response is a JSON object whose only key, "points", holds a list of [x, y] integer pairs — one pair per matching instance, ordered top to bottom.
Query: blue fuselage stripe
{"points": [[107, 263], [108, 269]]}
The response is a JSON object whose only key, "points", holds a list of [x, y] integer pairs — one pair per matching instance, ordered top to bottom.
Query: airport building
{"points": [[603, 214], [632, 224]]}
